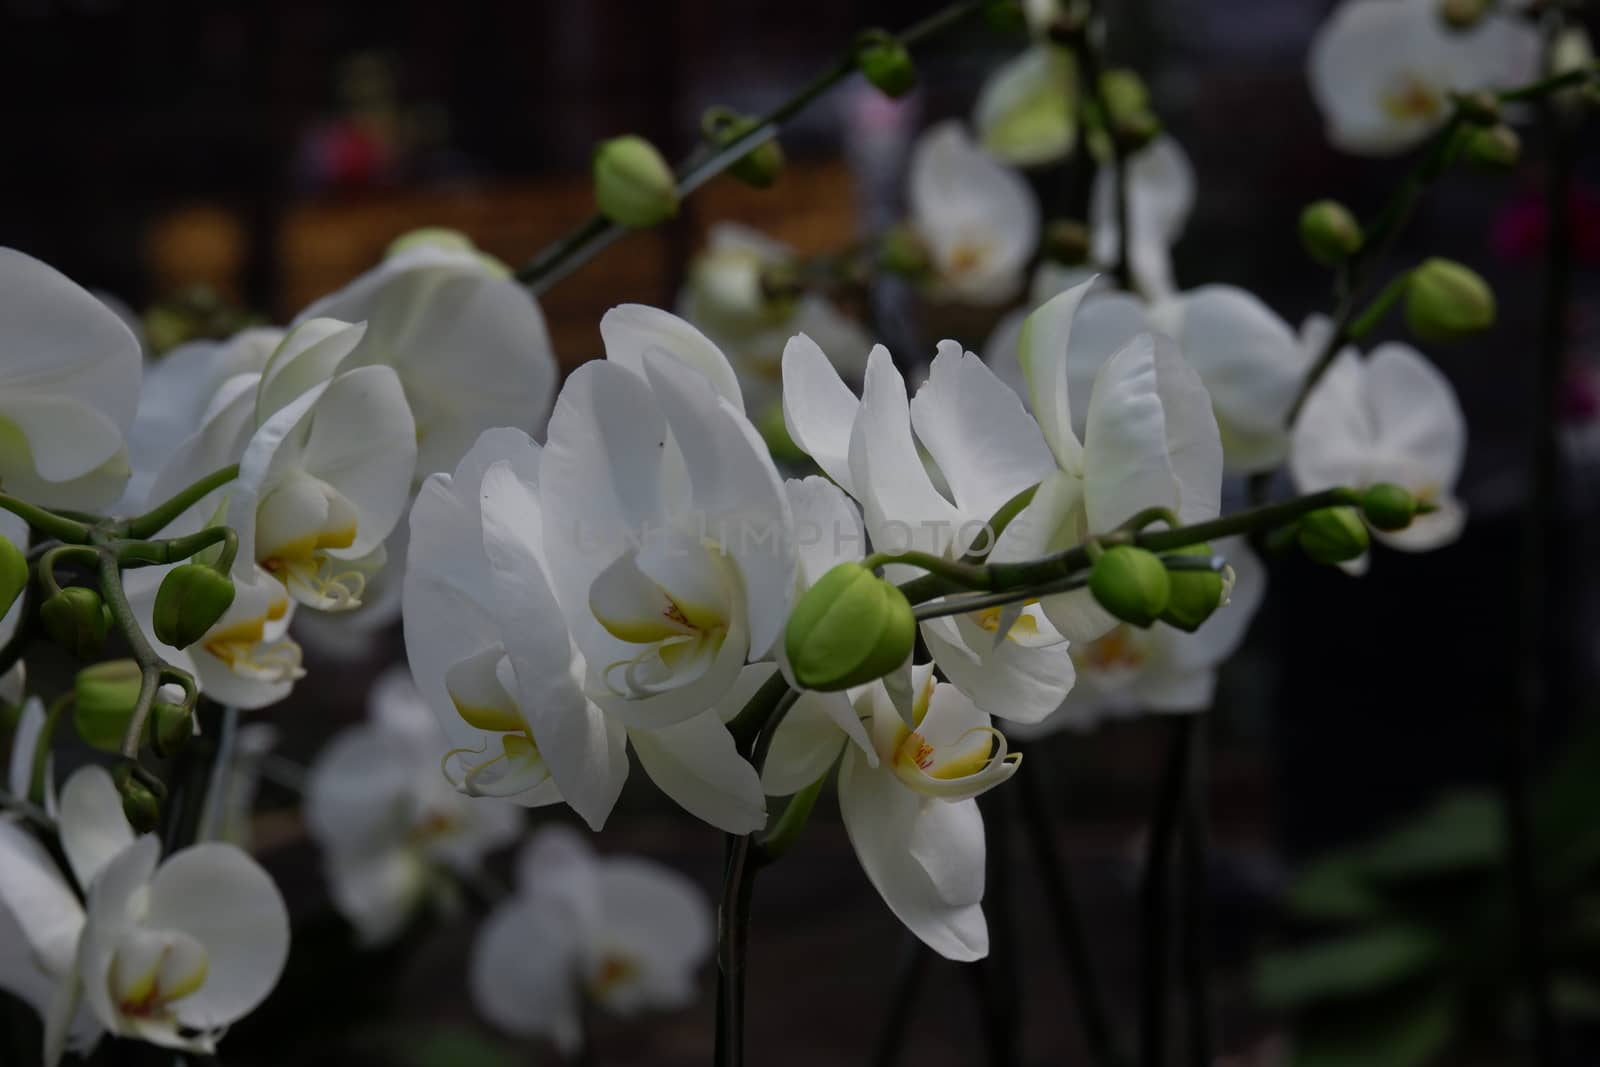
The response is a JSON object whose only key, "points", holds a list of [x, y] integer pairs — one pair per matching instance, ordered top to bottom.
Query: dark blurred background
{"points": [[270, 151]]}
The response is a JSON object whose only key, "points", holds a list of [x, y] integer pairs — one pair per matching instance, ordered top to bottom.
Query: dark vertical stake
{"points": [[1194, 849], [1155, 895]]}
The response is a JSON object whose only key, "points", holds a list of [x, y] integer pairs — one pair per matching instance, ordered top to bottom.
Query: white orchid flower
{"points": [[1382, 71], [1024, 115], [1161, 191], [979, 220], [724, 298], [469, 344], [69, 385], [1392, 417], [986, 450], [671, 550], [493, 657], [1129, 671], [391, 829], [622, 932], [171, 952]]}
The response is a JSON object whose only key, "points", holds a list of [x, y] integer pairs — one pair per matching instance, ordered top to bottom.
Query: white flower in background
{"points": [[1382, 71], [1025, 113], [1161, 190], [979, 220], [1049, 279], [725, 297], [468, 343], [69, 385], [178, 394], [1392, 417], [985, 449], [670, 545], [493, 657], [1130, 671], [229, 812], [391, 829], [623, 932], [170, 952]]}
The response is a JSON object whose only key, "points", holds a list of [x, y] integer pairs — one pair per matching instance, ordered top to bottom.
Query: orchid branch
{"points": [[156, 519]]}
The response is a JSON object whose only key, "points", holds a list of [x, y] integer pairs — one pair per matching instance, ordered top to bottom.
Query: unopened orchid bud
{"points": [[1463, 14], [1005, 15], [1573, 50], [884, 60], [1481, 108], [1494, 147], [758, 168], [633, 185], [1329, 232], [1066, 241], [902, 252], [1446, 300], [1388, 507], [1333, 535], [13, 574], [1132, 584], [1195, 594], [192, 599], [75, 618], [848, 629], [104, 697], [172, 725], [141, 803]]}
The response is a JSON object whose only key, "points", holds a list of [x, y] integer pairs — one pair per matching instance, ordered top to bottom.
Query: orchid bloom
{"points": [[1382, 71], [1024, 115], [1161, 191], [979, 220], [725, 298], [468, 343], [69, 385], [1392, 417], [670, 549], [494, 659], [1129, 671], [389, 826], [623, 932], [170, 952]]}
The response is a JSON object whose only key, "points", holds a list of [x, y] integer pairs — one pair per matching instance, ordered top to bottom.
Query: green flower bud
{"points": [[1463, 14], [1005, 15], [886, 63], [1125, 93], [1481, 108], [1494, 147], [758, 168], [633, 185], [1329, 232], [1066, 241], [902, 252], [1446, 300], [1388, 507], [1333, 535], [13, 574], [1131, 584], [1195, 594], [192, 598], [76, 620], [850, 628], [104, 698], [171, 727], [141, 802]]}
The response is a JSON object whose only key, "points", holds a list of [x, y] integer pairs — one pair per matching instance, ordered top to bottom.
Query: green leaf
{"points": [[1462, 832], [1334, 889], [1346, 967], [1407, 1032], [456, 1046]]}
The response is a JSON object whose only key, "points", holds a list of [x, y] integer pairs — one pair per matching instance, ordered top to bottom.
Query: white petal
{"points": [[1024, 111], [631, 330], [1042, 353], [310, 354], [818, 408], [1194, 443], [1126, 465], [827, 527], [1009, 680], [809, 740], [695, 763], [93, 828], [378, 893], [36, 895], [113, 907], [661, 923], [523, 973]]}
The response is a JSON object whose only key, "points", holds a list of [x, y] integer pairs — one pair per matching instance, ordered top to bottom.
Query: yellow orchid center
{"points": [[1411, 98], [679, 631], [244, 647], [1119, 650], [506, 761], [151, 970], [613, 971]]}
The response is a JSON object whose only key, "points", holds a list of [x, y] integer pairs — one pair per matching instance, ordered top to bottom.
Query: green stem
{"points": [[1092, 67], [597, 233], [1379, 307], [156, 519], [46, 522], [158, 553], [53, 557], [972, 576], [961, 605], [151, 665], [41, 748], [786, 830]]}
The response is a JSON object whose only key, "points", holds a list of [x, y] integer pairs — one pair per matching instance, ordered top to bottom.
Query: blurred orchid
{"points": [[1024, 115], [1161, 191], [391, 829], [623, 932]]}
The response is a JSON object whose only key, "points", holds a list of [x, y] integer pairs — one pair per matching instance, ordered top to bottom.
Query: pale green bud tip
{"points": [[1463, 14], [886, 63], [1481, 108], [1494, 147], [760, 167], [633, 185], [1329, 232], [431, 237], [1066, 241], [902, 252], [1446, 300], [1388, 507], [1333, 535], [13, 574], [1131, 584], [1195, 594], [191, 600], [75, 619], [848, 629], [104, 697], [171, 727], [141, 801]]}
